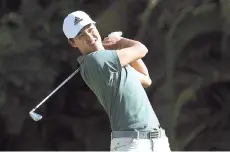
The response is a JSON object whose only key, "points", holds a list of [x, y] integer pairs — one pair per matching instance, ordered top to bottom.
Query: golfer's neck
{"points": [[98, 48]]}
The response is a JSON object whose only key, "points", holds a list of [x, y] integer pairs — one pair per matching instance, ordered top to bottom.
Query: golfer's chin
{"points": [[96, 46], [93, 47]]}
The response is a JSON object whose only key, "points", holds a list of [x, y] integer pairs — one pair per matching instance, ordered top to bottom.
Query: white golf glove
{"points": [[115, 34]]}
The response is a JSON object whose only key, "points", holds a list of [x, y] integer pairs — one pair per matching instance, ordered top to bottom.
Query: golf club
{"points": [[36, 116]]}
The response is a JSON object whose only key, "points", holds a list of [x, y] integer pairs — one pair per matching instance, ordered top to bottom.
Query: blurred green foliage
{"points": [[32, 48]]}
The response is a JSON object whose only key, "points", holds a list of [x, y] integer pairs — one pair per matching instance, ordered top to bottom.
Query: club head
{"points": [[35, 116]]}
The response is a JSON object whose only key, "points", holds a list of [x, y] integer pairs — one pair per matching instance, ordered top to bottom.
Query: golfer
{"points": [[114, 71]]}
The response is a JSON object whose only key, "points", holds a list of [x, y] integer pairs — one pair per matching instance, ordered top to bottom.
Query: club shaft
{"points": [[75, 72]]}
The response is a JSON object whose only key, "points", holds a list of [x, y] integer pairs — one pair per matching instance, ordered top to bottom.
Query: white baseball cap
{"points": [[74, 22]]}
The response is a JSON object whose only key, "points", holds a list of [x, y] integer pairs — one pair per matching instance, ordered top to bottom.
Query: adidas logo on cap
{"points": [[77, 20]]}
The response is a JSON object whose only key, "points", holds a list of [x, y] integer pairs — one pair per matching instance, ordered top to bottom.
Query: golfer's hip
{"points": [[139, 141]]}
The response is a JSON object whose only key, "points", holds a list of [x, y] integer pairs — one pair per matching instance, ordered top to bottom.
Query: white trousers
{"points": [[140, 145]]}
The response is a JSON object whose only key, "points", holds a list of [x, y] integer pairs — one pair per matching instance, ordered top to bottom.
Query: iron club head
{"points": [[35, 116]]}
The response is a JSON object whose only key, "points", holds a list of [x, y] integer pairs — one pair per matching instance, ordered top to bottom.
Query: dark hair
{"points": [[70, 39]]}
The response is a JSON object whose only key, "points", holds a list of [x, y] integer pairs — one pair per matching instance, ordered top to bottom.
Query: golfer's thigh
{"points": [[124, 144], [161, 145]]}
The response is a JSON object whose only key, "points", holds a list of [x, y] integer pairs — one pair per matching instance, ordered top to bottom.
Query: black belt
{"points": [[138, 134]]}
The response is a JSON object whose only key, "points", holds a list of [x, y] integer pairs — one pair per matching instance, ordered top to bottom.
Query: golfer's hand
{"points": [[111, 42]]}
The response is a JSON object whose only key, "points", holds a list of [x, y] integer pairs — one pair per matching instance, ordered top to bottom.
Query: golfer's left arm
{"points": [[138, 65], [142, 72]]}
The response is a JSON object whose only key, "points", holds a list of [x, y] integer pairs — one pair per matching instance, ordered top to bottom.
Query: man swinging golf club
{"points": [[114, 71]]}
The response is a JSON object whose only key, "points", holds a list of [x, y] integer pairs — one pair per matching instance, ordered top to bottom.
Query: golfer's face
{"points": [[88, 39]]}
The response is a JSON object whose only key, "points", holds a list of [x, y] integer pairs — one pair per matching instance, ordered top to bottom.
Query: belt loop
{"points": [[160, 133]]}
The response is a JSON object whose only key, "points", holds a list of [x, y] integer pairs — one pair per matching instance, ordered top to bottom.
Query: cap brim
{"points": [[83, 24]]}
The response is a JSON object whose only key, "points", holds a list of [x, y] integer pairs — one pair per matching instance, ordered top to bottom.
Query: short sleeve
{"points": [[103, 61]]}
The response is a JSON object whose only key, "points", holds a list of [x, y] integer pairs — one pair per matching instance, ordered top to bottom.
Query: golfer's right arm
{"points": [[131, 51], [130, 54]]}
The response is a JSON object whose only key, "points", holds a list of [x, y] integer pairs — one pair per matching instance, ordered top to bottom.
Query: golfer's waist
{"points": [[155, 133]]}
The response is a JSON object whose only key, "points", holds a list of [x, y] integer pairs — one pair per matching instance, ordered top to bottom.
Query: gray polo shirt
{"points": [[119, 91]]}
